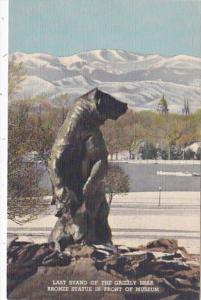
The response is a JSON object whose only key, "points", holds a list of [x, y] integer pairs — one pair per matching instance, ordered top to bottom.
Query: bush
{"points": [[148, 151], [176, 153], [164, 154], [189, 154], [116, 182]]}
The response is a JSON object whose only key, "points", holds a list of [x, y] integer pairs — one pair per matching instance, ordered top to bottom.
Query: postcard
{"points": [[103, 152]]}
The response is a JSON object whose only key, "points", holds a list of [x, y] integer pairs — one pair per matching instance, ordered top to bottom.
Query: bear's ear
{"points": [[99, 101], [98, 104], [101, 106]]}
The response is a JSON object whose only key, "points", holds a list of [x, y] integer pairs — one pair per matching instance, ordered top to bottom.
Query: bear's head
{"points": [[109, 107]]}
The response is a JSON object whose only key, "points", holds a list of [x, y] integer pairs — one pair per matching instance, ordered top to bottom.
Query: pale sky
{"points": [[65, 27]]}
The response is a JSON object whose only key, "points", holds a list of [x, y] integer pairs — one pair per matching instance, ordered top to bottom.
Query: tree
{"points": [[15, 78], [28, 131], [123, 134], [113, 138], [22, 178], [116, 182]]}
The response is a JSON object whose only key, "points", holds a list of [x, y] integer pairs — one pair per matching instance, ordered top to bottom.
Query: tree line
{"points": [[156, 133]]}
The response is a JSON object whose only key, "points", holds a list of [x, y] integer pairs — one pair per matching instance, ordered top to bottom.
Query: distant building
{"points": [[162, 106], [186, 108], [193, 147]]}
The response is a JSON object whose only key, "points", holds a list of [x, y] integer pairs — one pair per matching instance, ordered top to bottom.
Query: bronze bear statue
{"points": [[78, 166]]}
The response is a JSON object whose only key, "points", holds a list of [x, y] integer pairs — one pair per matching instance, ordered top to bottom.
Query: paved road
{"points": [[144, 178], [136, 219]]}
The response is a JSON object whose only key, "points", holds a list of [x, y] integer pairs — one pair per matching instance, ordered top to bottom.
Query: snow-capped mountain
{"points": [[139, 80]]}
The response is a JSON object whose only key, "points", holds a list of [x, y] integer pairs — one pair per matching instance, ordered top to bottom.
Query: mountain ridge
{"points": [[138, 79]]}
